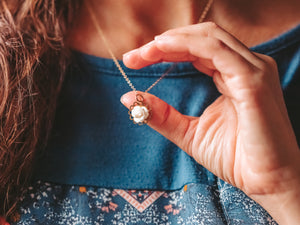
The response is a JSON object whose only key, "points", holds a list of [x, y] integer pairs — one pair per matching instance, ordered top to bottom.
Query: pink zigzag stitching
{"points": [[140, 206]]}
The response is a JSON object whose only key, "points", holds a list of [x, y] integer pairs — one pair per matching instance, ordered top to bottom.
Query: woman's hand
{"points": [[245, 136]]}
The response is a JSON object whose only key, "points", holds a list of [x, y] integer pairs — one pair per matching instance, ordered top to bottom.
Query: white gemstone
{"points": [[139, 113]]}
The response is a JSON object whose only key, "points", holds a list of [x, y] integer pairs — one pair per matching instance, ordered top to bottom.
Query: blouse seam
{"points": [[146, 74]]}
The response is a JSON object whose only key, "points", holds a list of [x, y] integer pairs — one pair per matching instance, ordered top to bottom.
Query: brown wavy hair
{"points": [[33, 58]]}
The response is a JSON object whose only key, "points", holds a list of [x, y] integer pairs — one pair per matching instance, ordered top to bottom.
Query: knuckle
{"points": [[211, 25], [211, 28], [169, 32], [217, 44], [269, 59], [271, 62], [268, 63]]}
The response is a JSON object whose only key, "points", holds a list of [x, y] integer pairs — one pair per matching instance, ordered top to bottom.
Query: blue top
{"points": [[94, 142], [96, 156]]}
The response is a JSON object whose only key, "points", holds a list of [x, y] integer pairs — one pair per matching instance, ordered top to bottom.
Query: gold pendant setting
{"points": [[139, 112]]}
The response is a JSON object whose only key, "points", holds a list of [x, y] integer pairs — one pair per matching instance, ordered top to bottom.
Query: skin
{"points": [[130, 24], [238, 136], [245, 136]]}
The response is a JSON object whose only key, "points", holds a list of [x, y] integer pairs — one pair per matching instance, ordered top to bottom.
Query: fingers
{"points": [[212, 30], [207, 48], [150, 54], [166, 120]]}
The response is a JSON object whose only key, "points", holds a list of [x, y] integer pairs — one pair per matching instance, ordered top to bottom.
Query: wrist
{"points": [[284, 203], [284, 208]]}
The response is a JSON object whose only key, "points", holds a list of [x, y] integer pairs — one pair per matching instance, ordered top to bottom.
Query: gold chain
{"points": [[205, 11], [101, 34]]}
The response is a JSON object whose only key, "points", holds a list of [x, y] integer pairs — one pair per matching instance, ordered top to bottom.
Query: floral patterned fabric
{"points": [[46, 203]]}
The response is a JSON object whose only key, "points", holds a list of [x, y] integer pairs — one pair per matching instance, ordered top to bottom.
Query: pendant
{"points": [[139, 112]]}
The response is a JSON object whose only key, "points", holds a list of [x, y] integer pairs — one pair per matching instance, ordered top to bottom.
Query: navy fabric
{"points": [[94, 142]]}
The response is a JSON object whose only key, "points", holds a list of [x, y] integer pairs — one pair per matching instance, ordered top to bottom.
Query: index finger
{"points": [[206, 53], [151, 54]]}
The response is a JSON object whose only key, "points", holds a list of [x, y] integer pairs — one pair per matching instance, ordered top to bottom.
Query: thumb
{"points": [[166, 120]]}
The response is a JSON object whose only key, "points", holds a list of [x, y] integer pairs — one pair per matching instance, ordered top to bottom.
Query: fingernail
{"points": [[161, 37], [148, 44], [144, 49], [127, 54], [128, 98], [122, 99]]}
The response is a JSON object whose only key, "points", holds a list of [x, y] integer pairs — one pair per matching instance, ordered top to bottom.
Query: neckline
{"points": [[279, 42], [107, 66]]}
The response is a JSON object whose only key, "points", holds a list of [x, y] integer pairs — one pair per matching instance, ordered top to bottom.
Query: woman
{"points": [[99, 169]]}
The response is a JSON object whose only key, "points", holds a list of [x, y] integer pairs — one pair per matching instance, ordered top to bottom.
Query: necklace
{"points": [[139, 112]]}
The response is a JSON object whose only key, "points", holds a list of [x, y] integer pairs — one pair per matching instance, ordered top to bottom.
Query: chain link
{"points": [[99, 30]]}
